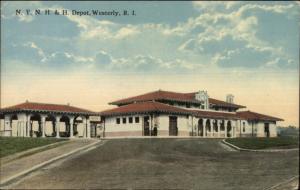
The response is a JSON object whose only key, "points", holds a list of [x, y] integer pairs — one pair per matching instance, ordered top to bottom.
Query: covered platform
{"points": [[31, 119]]}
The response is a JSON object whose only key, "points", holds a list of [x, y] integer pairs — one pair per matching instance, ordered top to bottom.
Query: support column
{"points": [[57, 123], [20, 124], [23, 124], [43, 124], [7, 125], [27, 126], [84, 126], [71, 127], [150, 127], [204, 127], [225, 127], [211, 128], [219, 128], [232, 128], [88, 130]]}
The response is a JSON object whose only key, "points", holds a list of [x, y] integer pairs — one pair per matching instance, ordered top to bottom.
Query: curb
{"points": [[160, 137], [254, 150], [21, 174], [283, 183]]}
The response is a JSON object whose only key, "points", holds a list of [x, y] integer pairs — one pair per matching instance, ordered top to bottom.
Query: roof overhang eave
{"points": [[47, 111]]}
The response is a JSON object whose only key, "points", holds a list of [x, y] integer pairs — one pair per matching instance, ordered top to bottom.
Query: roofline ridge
{"points": [[133, 96], [41, 103], [48, 103], [54, 104]]}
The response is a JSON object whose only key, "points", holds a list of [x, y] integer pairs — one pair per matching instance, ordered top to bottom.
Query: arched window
{"points": [[244, 129]]}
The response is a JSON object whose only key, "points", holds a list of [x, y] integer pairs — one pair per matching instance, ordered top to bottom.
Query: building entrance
{"points": [[173, 129], [146, 131]]}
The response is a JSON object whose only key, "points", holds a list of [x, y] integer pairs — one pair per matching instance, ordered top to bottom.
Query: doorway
{"points": [[146, 126], [200, 128], [173, 129], [93, 130], [267, 130]]}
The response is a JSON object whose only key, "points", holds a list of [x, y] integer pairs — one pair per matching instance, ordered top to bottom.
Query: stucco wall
{"points": [[183, 125], [261, 128], [124, 129], [136, 129], [258, 129]]}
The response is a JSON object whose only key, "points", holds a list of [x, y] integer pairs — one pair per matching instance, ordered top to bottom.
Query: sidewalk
{"points": [[19, 167]]}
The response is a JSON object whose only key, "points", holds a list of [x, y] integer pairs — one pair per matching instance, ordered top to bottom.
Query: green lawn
{"points": [[265, 143], [11, 145]]}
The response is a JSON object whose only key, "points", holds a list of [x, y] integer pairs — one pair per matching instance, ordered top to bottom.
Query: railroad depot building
{"points": [[159, 113], [164, 113]]}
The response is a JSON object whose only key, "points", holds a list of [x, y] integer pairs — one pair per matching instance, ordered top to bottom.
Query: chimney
{"points": [[203, 97], [229, 98]]}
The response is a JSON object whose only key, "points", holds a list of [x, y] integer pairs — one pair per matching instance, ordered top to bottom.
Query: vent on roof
{"points": [[229, 98]]}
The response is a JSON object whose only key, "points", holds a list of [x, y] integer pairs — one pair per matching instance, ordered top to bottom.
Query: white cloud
{"points": [[213, 5], [270, 8], [25, 18], [233, 25], [92, 28], [126, 31], [198, 36], [39, 50], [70, 57], [103, 58], [273, 62], [141, 63]]}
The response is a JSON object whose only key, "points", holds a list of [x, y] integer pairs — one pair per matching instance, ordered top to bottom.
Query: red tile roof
{"points": [[158, 95], [173, 96], [223, 103], [33, 106], [144, 107], [157, 107], [215, 115], [249, 115]]}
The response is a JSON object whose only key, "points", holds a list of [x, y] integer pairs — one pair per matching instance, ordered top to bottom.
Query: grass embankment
{"points": [[265, 143], [12, 145]]}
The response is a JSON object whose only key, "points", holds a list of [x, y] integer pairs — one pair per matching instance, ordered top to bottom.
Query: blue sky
{"points": [[240, 39]]}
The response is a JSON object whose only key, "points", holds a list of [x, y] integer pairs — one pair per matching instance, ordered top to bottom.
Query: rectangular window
{"points": [[124, 119], [137, 119], [118, 120], [130, 120], [244, 129]]}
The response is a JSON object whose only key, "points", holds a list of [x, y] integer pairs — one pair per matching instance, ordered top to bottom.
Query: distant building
{"points": [[159, 113], [164, 113]]}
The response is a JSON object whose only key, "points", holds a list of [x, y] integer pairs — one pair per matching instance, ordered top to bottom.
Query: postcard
{"points": [[149, 95]]}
